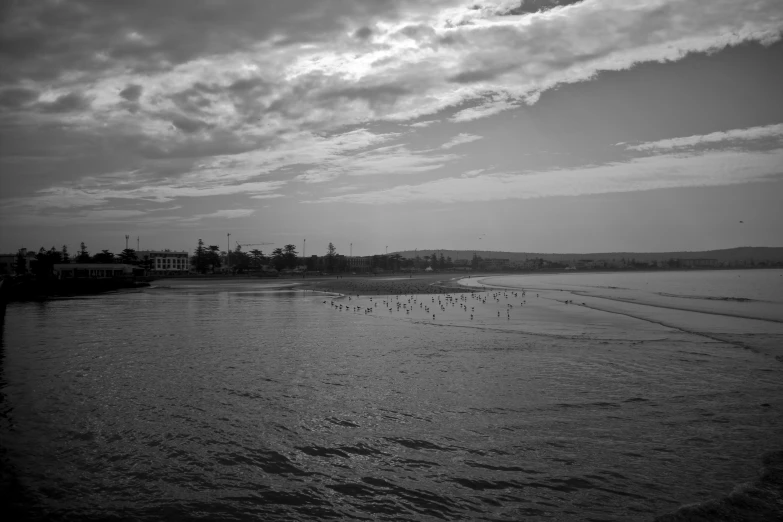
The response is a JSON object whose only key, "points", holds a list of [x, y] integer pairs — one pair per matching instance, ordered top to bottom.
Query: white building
{"points": [[166, 262], [359, 263]]}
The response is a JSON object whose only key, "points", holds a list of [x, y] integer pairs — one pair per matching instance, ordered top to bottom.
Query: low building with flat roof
{"points": [[91, 270]]}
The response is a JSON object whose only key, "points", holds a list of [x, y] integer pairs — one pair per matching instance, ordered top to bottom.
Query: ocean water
{"points": [[739, 293], [234, 400]]}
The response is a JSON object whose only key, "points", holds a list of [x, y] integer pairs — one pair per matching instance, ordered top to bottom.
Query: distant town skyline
{"points": [[554, 126]]}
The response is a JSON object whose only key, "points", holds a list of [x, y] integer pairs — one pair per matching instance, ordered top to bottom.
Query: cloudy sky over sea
{"points": [[542, 125]]}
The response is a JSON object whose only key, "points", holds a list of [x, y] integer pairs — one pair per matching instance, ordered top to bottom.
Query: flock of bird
{"points": [[406, 304]]}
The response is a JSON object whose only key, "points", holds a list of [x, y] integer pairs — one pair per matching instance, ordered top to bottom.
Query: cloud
{"points": [[535, 6], [363, 33], [46, 40], [252, 72], [292, 91], [132, 92], [16, 97], [71, 102], [482, 111], [422, 124], [188, 125], [774, 132], [460, 139], [390, 160], [648, 173], [229, 174], [100, 191], [166, 209], [111, 214], [226, 214]]}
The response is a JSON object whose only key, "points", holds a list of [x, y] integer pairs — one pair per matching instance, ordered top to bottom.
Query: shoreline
{"points": [[386, 285]]}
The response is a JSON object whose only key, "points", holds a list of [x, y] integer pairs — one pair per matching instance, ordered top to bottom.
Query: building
{"points": [[8, 262], [165, 262], [341, 263], [359, 263], [91, 270]]}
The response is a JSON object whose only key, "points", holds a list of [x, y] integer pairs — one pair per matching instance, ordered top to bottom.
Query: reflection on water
{"points": [[229, 400]]}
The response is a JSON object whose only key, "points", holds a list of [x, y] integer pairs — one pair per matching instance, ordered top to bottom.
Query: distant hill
{"points": [[757, 254]]}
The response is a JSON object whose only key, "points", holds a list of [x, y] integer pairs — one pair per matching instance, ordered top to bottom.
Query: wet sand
{"points": [[387, 284], [482, 301], [545, 314]]}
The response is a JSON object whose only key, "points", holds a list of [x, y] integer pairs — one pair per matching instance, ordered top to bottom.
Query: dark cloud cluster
{"points": [[536, 6], [363, 33], [42, 40], [132, 92], [17, 97], [71, 102], [188, 125]]}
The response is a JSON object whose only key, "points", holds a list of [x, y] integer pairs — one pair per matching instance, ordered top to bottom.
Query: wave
{"points": [[710, 298], [759, 500]]}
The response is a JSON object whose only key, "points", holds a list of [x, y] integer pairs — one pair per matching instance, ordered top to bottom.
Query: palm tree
{"points": [[289, 253], [257, 258], [278, 258]]}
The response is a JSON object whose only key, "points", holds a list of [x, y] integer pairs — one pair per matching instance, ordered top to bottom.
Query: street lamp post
{"points": [[228, 252]]}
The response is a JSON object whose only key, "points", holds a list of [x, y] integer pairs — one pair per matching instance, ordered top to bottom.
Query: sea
{"points": [[256, 400]]}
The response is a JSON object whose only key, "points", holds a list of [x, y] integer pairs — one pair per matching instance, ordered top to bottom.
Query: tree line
{"points": [[210, 259], [44, 260]]}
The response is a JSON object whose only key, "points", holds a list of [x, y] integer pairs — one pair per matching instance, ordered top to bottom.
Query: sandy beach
{"points": [[387, 284], [549, 314]]}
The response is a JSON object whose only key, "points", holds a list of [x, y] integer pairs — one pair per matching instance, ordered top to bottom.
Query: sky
{"points": [[538, 125]]}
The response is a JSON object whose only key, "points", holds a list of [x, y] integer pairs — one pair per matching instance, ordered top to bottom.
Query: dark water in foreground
{"points": [[227, 401]]}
